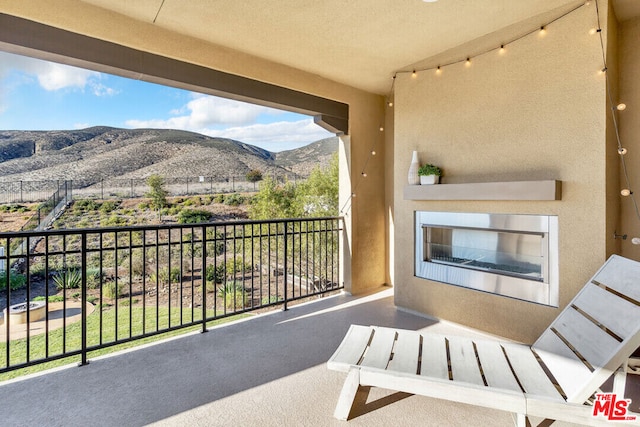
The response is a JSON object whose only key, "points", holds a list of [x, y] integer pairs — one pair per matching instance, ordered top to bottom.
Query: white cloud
{"points": [[52, 76], [204, 111], [275, 136]]}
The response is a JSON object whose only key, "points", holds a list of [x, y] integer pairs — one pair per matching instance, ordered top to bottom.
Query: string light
{"points": [[543, 31], [594, 31], [502, 50], [467, 62], [438, 70], [414, 74], [621, 106], [381, 129], [622, 151], [373, 152], [364, 174], [625, 192]]}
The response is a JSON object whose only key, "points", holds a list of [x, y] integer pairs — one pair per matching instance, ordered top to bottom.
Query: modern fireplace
{"points": [[509, 255]]}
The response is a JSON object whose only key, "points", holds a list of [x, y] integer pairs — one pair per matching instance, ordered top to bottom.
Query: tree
{"points": [[254, 175], [157, 192], [318, 194], [314, 197], [274, 200]]}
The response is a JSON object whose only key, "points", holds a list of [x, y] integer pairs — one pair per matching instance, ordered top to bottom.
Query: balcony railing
{"points": [[93, 288]]}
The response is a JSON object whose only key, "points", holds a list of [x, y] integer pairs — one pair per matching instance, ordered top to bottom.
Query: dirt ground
{"points": [[13, 221]]}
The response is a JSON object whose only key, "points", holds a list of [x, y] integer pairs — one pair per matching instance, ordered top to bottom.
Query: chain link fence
{"points": [[115, 188]]}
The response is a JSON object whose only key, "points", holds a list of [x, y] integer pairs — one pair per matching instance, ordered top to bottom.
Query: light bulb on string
{"points": [[543, 31], [594, 31], [501, 50], [467, 62], [438, 70], [602, 71], [414, 74], [390, 103], [621, 107], [381, 129], [622, 151], [373, 152], [364, 174], [625, 192], [635, 241]]}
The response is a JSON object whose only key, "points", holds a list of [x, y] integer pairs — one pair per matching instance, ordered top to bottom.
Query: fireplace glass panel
{"points": [[503, 252]]}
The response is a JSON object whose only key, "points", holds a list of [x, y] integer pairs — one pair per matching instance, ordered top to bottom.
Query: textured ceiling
{"points": [[359, 43]]}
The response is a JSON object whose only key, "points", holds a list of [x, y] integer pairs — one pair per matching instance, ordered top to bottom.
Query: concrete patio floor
{"points": [[268, 370]]}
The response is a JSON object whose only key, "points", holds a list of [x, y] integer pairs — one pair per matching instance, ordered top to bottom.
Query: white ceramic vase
{"points": [[413, 177]]}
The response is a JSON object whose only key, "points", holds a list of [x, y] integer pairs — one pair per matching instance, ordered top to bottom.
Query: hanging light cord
{"points": [[625, 171]]}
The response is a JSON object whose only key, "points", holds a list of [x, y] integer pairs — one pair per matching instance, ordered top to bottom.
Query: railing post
{"points": [[102, 189], [20, 191], [286, 245], [204, 278], [83, 299]]}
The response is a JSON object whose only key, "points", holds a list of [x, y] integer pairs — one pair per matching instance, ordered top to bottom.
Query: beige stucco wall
{"points": [[537, 112], [629, 121], [365, 215]]}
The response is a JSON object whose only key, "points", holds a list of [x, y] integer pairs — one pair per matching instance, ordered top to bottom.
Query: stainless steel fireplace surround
{"points": [[510, 255]]}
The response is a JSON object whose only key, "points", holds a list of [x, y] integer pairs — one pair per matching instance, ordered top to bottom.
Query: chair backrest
{"points": [[597, 332]]}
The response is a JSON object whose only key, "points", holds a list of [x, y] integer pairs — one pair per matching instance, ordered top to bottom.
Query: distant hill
{"points": [[96, 153], [302, 160]]}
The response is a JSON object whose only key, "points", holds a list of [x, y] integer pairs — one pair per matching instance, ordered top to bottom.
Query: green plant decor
{"points": [[429, 169]]}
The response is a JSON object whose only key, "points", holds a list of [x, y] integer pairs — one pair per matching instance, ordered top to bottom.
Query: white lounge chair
{"points": [[555, 378]]}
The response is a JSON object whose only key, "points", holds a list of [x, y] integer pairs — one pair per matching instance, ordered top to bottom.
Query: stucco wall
{"points": [[536, 112], [629, 120]]}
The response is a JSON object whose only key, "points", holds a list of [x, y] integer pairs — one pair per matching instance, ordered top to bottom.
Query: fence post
{"points": [[187, 180], [233, 184], [102, 188], [131, 188], [20, 191], [286, 245]]}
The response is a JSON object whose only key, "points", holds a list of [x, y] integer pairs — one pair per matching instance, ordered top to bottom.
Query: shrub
{"points": [[219, 198], [234, 199], [108, 206], [193, 216], [228, 271], [94, 274], [164, 275], [68, 279], [16, 281], [109, 290], [232, 293], [52, 298]]}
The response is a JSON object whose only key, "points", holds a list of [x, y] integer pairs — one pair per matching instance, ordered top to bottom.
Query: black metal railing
{"points": [[92, 288]]}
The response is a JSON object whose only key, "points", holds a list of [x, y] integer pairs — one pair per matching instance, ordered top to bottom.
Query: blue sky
{"points": [[41, 95]]}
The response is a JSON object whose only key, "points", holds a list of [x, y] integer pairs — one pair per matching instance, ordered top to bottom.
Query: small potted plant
{"points": [[429, 174]]}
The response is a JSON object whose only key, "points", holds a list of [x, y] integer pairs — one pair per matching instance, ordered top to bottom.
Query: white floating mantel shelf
{"points": [[510, 190]]}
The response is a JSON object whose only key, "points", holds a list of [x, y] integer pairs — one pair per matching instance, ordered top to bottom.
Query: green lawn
{"points": [[153, 320]]}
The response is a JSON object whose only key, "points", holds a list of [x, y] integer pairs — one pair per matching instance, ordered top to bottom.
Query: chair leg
{"points": [[347, 395], [521, 420]]}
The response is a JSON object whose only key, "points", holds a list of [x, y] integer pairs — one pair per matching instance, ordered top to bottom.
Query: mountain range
{"points": [[100, 153]]}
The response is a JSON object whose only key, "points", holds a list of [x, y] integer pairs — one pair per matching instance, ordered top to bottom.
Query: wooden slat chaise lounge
{"points": [[556, 378]]}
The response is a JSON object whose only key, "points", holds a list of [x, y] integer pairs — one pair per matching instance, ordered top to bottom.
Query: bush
{"points": [[219, 198], [234, 199], [108, 206], [193, 216], [228, 271], [164, 275], [93, 277], [68, 279], [16, 281], [109, 290], [232, 293]]}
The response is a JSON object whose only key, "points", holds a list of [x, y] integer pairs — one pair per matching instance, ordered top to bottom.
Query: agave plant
{"points": [[68, 279]]}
